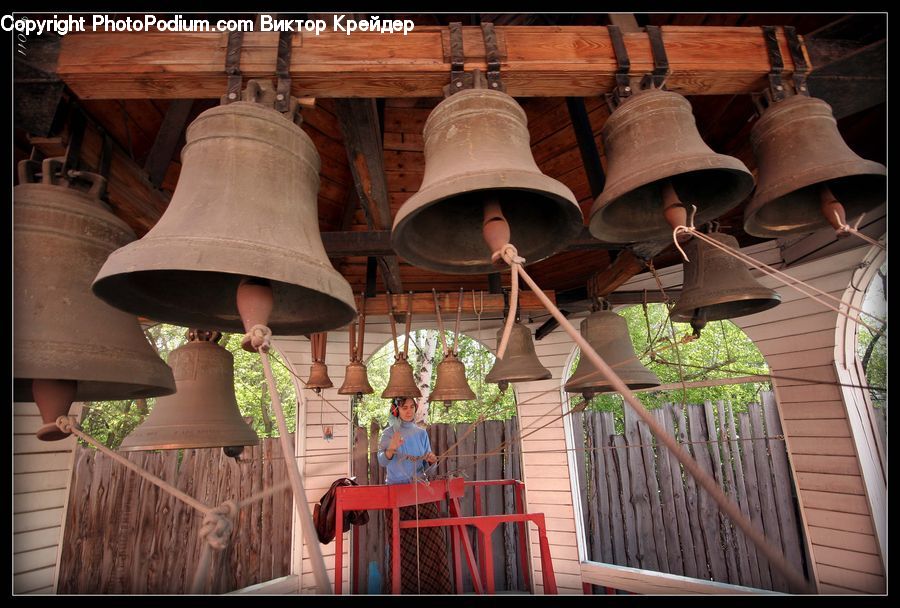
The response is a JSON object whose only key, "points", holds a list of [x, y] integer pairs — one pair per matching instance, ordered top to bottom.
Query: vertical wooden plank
{"points": [[493, 432], [715, 447], [466, 451], [582, 460], [676, 484], [740, 486], [784, 488], [691, 493], [766, 493], [753, 499], [643, 513], [709, 513], [629, 525], [615, 527], [600, 528], [660, 530], [736, 538], [675, 564]]}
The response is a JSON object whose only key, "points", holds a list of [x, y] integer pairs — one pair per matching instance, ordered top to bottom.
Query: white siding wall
{"points": [[832, 446], [41, 474]]}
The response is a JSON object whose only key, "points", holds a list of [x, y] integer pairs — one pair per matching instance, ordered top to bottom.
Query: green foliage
{"points": [[871, 347], [723, 351], [478, 361], [111, 421]]}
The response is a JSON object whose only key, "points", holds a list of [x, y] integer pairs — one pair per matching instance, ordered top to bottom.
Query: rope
{"points": [[846, 228], [782, 277], [68, 424], [287, 448], [776, 558]]}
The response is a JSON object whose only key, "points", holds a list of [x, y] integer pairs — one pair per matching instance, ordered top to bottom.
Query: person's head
{"points": [[403, 408]]}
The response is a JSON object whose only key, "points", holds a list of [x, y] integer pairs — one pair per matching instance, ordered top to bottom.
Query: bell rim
{"points": [[861, 168], [554, 192], [610, 199], [115, 283], [683, 314], [543, 376], [607, 388], [144, 446]]}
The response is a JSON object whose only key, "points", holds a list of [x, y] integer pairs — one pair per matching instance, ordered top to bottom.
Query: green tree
{"points": [[871, 346], [723, 351]]}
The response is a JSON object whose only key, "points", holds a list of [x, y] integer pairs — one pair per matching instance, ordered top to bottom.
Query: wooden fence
{"points": [[463, 460], [641, 510], [125, 535]]}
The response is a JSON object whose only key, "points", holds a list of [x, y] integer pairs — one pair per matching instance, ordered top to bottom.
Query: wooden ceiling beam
{"points": [[541, 61], [360, 126], [423, 303]]}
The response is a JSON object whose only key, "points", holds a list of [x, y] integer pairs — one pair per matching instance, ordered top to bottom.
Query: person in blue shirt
{"points": [[404, 448], [405, 451]]}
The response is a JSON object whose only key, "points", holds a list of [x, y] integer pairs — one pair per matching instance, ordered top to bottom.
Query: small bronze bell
{"points": [[652, 143], [477, 149], [807, 172], [718, 286], [608, 334], [66, 338], [519, 363], [318, 371], [356, 379], [401, 382], [451, 383], [204, 412]]}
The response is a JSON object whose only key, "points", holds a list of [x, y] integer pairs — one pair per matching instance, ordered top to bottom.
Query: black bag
{"points": [[324, 513]]}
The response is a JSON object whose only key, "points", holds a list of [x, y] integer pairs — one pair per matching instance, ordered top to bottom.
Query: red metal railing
{"points": [[392, 497]]}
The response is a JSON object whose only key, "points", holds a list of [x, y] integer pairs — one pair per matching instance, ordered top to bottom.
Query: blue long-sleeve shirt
{"points": [[415, 443]]}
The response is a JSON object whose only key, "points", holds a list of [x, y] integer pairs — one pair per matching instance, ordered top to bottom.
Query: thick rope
{"points": [[300, 500], [216, 530], [775, 556]]}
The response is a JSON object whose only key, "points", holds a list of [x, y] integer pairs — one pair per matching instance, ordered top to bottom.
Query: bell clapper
{"points": [[674, 210], [833, 211], [495, 229], [254, 303], [698, 322], [53, 398], [233, 451]]}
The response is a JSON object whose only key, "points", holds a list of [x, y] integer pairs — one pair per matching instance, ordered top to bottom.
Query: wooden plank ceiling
{"points": [[724, 120]]}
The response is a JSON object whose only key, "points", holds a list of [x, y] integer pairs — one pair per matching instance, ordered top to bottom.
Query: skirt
{"points": [[423, 556]]}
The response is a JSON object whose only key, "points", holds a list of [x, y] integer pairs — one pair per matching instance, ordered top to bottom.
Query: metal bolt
{"points": [[458, 83], [494, 84], [803, 87], [627, 88], [779, 88], [232, 95], [280, 97]]}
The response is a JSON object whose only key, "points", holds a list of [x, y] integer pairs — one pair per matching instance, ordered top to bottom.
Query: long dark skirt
{"points": [[423, 560]]}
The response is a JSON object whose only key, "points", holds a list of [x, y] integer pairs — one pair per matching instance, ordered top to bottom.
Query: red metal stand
{"points": [[392, 497]]}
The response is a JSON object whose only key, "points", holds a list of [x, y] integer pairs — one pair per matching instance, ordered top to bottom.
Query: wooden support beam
{"points": [[539, 61], [362, 138], [166, 140], [590, 156], [130, 193], [423, 303]]}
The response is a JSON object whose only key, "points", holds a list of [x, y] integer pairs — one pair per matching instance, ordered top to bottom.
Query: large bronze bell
{"points": [[651, 142], [477, 149], [804, 166], [245, 206], [718, 286], [608, 334], [64, 336], [519, 363], [401, 382], [451, 383], [204, 412]]}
